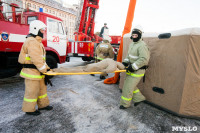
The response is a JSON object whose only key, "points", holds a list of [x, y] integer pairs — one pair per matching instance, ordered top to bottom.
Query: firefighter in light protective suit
{"points": [[103, 51], [32, 57], [135, 63]]}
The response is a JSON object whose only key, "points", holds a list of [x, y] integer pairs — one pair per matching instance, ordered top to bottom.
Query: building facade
{"points": [[58, 9]]}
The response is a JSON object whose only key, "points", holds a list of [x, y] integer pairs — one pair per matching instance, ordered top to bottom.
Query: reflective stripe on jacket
{"points": [[33, 52], [138, 54], [134, 75]]}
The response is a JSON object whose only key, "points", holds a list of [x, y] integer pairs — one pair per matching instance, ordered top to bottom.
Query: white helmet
{"points": [[35, 26], [138, 28]]}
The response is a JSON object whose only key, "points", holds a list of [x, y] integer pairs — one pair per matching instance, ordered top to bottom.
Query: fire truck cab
{"points": [[13, 31]]}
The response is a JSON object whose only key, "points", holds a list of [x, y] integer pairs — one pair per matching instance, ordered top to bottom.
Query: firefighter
{"points": [[104, 50], [32, 57], [136, 63]]}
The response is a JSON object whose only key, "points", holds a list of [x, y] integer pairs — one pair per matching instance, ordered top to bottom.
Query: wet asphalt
{"points": [[82, 104]]}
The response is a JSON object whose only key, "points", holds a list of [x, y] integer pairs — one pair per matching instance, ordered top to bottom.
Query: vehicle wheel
{"points": [[86, 58], [67, 59], [51, 61], [8, 72]]}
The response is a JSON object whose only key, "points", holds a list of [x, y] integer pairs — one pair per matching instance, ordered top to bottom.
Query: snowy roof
{"points": [[187, 31]]}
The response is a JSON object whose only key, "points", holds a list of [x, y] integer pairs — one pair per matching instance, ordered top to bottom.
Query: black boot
{"points": [[102, 77], [136, 104], [122, 107], [46, 108], [33, 113]]}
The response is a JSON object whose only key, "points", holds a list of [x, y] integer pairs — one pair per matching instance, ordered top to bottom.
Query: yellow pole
{"points": [[82, 73]]}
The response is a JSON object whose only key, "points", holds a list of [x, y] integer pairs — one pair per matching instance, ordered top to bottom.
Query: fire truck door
{"points": [[56, 37]]}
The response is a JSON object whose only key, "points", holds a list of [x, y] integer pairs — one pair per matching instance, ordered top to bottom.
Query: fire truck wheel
{"points": [[86, 58], [67, 59], [51, 61], [8, 72]]}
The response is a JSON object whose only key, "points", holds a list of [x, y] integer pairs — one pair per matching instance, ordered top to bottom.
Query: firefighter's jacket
{"points": [[104, 50], [33, 52], [138, 54], [106, 66]]}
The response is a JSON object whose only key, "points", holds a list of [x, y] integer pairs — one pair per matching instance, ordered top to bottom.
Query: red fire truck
{"points": [[13, 31], [85, 39]]}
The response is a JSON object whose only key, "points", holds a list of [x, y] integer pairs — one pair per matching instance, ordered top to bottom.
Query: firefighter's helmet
{"points": [[35, 26], [138, 28]]}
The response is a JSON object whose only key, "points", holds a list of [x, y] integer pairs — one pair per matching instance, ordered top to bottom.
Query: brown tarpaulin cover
{"points": [[174, 66]]}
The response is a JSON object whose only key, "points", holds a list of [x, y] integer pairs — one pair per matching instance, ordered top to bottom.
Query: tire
{"points": [[86, 58], [67, 59], [51, 61], [8, 72]]}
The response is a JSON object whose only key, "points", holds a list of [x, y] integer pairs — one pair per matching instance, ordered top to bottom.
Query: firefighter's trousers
{"points": [[130, 91], [35, 94]]}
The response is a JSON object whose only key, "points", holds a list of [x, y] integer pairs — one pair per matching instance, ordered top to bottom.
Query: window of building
{"points": [[29, 4], [34, 6], [38, 7], [46, 10], [49, 11], [53, 12], [31, 18]]}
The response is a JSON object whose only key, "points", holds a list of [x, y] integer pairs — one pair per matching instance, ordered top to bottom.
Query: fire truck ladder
{"points": [[87, 18]]}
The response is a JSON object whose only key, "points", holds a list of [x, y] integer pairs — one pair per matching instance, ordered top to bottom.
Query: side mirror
{"points": [[66, 30]]}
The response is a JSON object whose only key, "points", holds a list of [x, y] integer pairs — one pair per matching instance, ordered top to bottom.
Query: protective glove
{"points": [[125, 64], [129, 69], [50, 71], [46, 78]]}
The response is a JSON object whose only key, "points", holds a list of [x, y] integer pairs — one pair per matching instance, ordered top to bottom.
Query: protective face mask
{"points": [[40, 34]]}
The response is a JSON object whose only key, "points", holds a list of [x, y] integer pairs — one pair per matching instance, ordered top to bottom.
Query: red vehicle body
{"points": [[13, 34], [85, 39], [115, 42]]}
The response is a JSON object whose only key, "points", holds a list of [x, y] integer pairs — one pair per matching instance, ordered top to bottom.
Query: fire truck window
{"points": [[10, 19], [31, 19], [53, 26], [60, 28]]}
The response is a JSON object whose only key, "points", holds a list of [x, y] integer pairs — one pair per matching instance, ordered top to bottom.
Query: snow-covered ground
{"points": [[82, 104]]}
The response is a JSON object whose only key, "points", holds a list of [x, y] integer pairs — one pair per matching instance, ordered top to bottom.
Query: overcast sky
{"points": [[152, 15]]}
